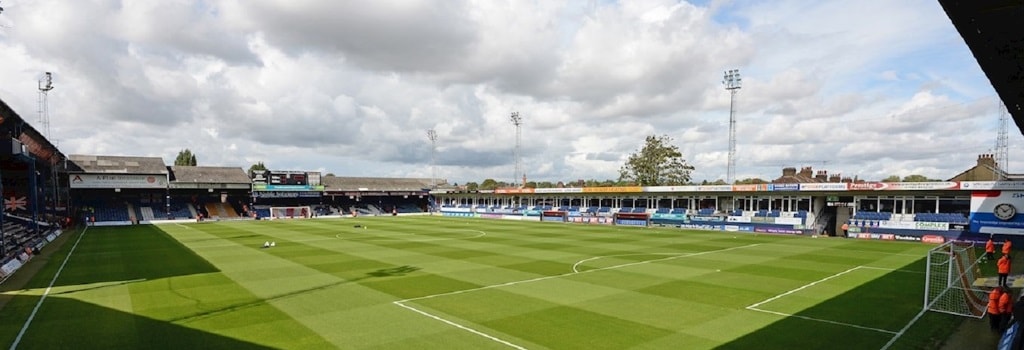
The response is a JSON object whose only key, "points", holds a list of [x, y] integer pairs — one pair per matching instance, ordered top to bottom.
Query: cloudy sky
{"points": [[867, 88]]}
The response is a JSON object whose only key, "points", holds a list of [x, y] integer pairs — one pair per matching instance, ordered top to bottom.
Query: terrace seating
{"points": [[604, 210], [639, 210], [662, 211], [678, 211], [706, 211], [263, 212], [870, 215], [954, 218]]}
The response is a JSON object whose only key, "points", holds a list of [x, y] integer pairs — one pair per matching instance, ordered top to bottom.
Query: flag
{"points": [[15, 203]]}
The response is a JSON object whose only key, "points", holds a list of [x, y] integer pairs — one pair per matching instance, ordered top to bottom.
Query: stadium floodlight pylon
{"points": [[948, 286]]}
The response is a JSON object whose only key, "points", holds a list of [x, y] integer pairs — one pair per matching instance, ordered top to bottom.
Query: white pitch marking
{"points": [[385, 237], [575, 267], [802, 287], [402, 302], [754, 307], [31, 316], [822, 320], [459, 326], [905, 328]]}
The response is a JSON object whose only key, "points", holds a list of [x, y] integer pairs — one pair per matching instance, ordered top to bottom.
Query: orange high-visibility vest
{"points": [[990, 247], [1006, 247], [1003, 265], [993, 301], [1005, 305]]}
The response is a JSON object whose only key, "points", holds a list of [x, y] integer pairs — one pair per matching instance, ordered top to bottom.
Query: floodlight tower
{"points": [[732, 81], [45, 85], [518, 122], [432, 135], [1003, 142]]}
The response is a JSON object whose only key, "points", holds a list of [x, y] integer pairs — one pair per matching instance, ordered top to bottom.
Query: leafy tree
{"points": [[185, 158], [658, 163], [257, 167], [329, 174], [892, 178], [917, 178], [751, 181], [488, 184], [530, 184], [545, 184], [472, 186]]}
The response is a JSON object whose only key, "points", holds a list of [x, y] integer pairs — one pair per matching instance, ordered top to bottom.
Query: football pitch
{"points": [[427, 282]]}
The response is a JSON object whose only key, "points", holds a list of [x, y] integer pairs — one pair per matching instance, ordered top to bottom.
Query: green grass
{"points": [[444, 283]]}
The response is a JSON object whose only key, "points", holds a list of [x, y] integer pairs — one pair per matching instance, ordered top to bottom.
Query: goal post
{"points": [[296, 212], [949, 277]]}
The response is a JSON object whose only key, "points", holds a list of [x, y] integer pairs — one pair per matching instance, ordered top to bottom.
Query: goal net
{"points": [[299, 212], [952, 269]]}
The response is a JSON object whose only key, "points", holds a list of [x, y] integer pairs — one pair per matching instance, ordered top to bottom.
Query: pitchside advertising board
{"points": [[997, 212]]}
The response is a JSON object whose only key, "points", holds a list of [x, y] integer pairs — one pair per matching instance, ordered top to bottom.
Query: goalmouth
{"points": [[296, 212], [949, 278]]}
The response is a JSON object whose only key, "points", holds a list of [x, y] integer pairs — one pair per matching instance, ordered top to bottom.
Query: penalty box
{"points": [[812, 301]]}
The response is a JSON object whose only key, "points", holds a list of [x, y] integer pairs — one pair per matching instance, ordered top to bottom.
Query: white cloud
{"points": [[874, 89]]}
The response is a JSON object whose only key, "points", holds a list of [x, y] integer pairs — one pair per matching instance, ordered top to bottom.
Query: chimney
{"points": [[987, 159], [790, 171], [806, 172], [821, 176], [834, 177]]}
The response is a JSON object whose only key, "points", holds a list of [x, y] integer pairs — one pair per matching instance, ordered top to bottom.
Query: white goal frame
{"points": [[291, 212], [949, 277]]}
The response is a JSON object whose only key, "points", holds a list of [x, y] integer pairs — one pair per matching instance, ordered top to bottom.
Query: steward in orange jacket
{"points": [[1006, 247], [990, 250], [1003, 267], [1005, 310], [994, 317]]}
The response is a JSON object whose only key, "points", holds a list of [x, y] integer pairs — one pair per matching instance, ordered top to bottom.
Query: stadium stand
{"points": [[953, 218]]}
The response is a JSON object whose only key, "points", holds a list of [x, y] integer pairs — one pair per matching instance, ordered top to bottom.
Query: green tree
{"points": [[185, 158], [658, 163], [258, 166], [892, 178], [917, 178], [751, 181], [488, 184], [531, 184], [545, 184], [472, 186]]}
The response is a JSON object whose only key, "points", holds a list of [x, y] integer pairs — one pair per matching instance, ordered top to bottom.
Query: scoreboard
{"points": [[285, 180]]}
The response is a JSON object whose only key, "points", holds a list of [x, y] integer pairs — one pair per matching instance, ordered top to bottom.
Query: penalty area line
{"points": [[512, 283], [755, 306], [32, 316], [459, 326]]}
